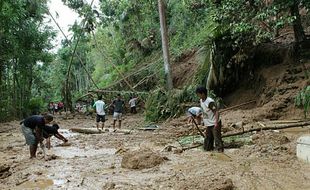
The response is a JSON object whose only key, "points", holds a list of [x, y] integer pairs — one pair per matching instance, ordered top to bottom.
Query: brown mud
{"points": [[94, 161]]}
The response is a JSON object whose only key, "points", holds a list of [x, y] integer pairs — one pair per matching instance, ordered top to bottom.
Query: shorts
{"points": [[117, 116], [100, 118], [29, 135]]}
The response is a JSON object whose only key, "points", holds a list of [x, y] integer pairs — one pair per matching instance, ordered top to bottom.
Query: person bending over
{"points": [[32, 130]]}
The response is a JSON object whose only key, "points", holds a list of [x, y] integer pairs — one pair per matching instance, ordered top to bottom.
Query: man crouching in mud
{"points": [[211, 120], [32, 130], [49, 131]]}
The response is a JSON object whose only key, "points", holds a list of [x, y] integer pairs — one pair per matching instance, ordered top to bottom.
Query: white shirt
{"points": [[132, 102], [100, 107], [195, 110], [208, 115]]}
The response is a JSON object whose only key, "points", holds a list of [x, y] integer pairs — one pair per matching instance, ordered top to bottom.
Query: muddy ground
{"points": [[94, 161]]}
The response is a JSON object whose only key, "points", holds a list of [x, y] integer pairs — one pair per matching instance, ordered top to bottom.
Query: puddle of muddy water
{"points": [[298, 130], [66, 133], [72, 152], [220, 157], [36, 184]]}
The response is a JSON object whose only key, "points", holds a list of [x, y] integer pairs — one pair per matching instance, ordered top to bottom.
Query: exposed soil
{"points": [[184, 68], [140, 161]]}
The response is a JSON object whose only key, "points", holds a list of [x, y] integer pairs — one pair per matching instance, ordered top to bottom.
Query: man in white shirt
{"points": [[132, 103], [100, 105], [211, 120]]}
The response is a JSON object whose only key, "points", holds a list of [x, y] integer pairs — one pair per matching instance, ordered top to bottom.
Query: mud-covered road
{"points": [[93, 161]]}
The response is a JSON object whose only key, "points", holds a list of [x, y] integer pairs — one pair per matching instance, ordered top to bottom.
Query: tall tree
{"points": [[24, 42]]}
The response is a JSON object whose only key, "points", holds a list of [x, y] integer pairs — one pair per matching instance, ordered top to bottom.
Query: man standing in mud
{"points": [[132, 104], [100, 105], [118, 105], [211, 120], [32, 130]]}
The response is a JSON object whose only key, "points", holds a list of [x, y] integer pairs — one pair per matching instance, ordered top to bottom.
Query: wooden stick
{"points": [[237, 106], [268, 128]]}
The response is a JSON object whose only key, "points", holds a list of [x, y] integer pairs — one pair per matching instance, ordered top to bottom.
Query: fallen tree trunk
{"points": [[292, 125], [87, 130], [96, 131]]}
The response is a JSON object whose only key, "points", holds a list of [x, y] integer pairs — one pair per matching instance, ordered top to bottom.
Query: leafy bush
{"points": [[303, 99], [162, 104], [35, 105]]}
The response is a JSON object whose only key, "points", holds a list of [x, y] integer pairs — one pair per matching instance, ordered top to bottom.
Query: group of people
{"points": [[118, 106], [55, 107], [35, 127]]}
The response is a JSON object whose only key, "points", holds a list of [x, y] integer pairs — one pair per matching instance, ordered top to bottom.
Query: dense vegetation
{"points": [[118, 47]]}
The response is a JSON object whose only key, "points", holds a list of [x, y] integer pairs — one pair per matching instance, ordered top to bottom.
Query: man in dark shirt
{"points": [[118, 111], [32, 130], [49, 131]]}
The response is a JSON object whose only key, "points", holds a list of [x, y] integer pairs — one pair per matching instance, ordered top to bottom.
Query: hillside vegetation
{"points": [[117, 46]]}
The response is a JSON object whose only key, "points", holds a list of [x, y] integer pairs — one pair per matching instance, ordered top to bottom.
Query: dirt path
{"points": [[94, 161]]}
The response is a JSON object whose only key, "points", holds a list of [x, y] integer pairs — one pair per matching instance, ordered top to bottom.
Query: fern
{"points": [[303, 100]]}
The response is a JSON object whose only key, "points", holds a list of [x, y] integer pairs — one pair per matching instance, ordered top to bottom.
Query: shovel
{"points": [[194, 121]]}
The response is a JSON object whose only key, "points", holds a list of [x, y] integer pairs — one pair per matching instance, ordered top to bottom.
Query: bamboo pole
{"points": [[78, 56], [115, 67], [115, 91], [237, 106], [301, 124]]}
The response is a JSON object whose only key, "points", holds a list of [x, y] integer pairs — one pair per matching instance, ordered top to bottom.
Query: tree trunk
{"points": [[297, 25], [165, 45]]}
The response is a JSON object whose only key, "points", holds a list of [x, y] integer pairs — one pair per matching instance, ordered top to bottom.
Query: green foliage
{"points": [[25, 42], [203, 68], [303, 100], [162, 104], [35, 105]]}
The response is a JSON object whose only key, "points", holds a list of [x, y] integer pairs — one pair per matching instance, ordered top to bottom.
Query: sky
{"points": [[66, 18]]}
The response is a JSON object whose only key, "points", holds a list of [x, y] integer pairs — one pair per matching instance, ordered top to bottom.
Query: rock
{"points": [[238, 125], [177, 151], [141, 159], [4, 171], [226, 185], [108, 186]]}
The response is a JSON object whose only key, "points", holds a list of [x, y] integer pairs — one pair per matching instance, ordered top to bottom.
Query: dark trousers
{"points": [[133, 110], [213, 136]]}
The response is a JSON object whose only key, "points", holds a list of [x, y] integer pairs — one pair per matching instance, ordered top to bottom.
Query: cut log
{"points": [[284, 121], [292, 125], [96, 131]]}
